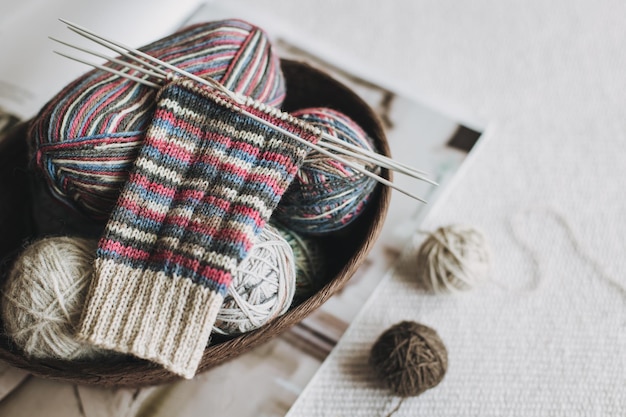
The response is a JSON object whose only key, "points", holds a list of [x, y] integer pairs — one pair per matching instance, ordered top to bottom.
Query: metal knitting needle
{"points": [[124, 49], [121, 52], [111, 59], [111, 70], [206, 81], [212, 83], [319, 149], [323, 151], [364, 155], [374, 155], [375, 161], [401, 167]]}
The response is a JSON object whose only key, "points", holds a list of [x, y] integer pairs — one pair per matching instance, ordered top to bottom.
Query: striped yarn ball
{"points": [[85, 139], [327, 195], [309, 259]]}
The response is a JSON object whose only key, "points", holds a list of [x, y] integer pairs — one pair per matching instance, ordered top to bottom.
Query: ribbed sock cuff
{"points": [[123, 300]]}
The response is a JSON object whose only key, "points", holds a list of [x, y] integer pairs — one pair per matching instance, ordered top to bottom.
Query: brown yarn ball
{"points": [[409, 358]]}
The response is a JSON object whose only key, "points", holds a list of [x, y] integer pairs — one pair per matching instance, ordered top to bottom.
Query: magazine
{"points": [[267, 380]]}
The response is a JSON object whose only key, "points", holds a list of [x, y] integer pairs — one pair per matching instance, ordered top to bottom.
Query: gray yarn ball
{"points": [[262, 288]]}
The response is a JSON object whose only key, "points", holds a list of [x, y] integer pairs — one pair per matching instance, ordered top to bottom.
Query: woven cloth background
{"points": [[550, 78]]}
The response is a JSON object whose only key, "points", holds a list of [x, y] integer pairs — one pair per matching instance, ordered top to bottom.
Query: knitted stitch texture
{"points": [[85, 139], [206, 181]]}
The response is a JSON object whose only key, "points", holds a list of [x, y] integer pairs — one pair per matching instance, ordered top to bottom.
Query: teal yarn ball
{"points": [[85, 140], [327, 195], [309, 260]]}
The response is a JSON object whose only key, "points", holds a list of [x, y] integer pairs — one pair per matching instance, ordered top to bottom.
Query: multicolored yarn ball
{"points": [[85, 139], [327, 195], [452, 258], [310, 262], [263, 286], [43, 298], [409, 358]]}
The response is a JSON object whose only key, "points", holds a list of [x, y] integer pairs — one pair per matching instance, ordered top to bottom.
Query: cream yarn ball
{"points": [[452, 258], [263, 286], [43, 297]]}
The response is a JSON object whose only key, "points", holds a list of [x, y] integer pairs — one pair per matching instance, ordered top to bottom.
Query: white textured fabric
{"points": [[550, 77]]}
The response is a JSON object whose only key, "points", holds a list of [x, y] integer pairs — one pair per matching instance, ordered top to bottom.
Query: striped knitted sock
{"points": [[205, 182]]}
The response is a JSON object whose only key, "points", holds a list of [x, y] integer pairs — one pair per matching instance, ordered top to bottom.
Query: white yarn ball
{"points": [[453, 258], [263, 286], [43, 298]]}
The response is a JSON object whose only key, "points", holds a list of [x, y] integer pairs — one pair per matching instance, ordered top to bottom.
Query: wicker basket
{"points": [[307, 87]]}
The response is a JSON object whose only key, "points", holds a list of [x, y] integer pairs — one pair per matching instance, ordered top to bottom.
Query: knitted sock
{"points": [[205, 182]]}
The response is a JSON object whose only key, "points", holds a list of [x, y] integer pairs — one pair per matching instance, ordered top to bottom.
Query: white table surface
{"points": [[550, 78]]}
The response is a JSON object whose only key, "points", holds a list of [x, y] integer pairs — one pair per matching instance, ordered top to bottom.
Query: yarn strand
{"points": [[584, 254], [396, 407]]}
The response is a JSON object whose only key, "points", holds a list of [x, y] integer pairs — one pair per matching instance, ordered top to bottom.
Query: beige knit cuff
{"points": [[151, 315]]}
